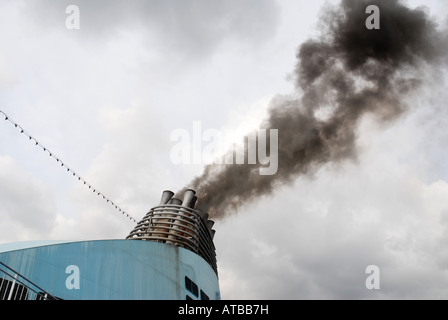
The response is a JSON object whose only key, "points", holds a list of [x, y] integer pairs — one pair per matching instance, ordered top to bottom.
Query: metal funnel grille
{"points": [[174, 222]]}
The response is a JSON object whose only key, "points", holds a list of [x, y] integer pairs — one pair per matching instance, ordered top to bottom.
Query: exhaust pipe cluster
{"points": [[189, 201], [177, 222]]}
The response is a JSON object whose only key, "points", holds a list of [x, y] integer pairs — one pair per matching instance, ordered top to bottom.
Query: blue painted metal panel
{"points": [[111, 269]]}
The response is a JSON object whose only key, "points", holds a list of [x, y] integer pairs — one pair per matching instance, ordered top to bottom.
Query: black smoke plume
{"points": [[349, 71]]}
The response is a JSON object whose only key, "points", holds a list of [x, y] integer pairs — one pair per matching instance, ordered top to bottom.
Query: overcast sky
{"points": [[105, 99]]}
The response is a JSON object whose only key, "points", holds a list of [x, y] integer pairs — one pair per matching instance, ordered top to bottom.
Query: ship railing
{"points": [[14, 286]]}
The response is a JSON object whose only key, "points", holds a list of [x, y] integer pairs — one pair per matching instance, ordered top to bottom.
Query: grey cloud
{"points": [[186, 28]]}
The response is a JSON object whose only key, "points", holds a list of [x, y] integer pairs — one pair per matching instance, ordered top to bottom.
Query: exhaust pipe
{"points": [[189, 195], [166, 196], [175, 201], [193, 202], [210, 224]]}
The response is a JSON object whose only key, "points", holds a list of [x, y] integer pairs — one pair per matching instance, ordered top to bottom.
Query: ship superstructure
{"points": [[168, 255]]}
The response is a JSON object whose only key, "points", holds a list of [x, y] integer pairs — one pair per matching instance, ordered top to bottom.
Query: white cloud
{"points": [[26, 204]]}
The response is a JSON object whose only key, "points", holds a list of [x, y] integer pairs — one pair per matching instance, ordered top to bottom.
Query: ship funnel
{"points": [[189, 194], [166, 196], [176, 222]]}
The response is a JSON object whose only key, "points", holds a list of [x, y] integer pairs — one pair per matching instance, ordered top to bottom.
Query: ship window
{"points": [[191, 286], [204, 296]]}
